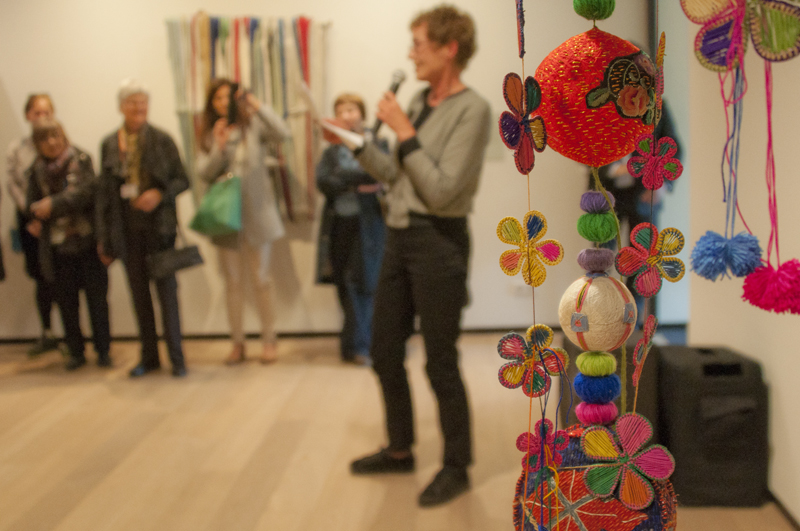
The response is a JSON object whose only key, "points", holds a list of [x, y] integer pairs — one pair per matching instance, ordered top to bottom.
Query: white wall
{"points": [[79, 50], [673, 300], [719, 316]]}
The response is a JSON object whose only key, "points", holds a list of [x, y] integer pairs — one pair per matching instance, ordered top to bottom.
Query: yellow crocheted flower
{"points": [[533, 254]]}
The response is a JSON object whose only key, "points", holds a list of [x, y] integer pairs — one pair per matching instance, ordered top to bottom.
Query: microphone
{"points": [[397, 79]]}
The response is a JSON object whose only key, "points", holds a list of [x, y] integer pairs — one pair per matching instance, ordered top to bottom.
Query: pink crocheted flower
{"points": [[656, 162], [650, 258], [532, 360], [542, 447], [625, 461]]}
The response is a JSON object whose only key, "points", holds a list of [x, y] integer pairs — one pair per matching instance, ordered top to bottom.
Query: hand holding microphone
{"points": [[397, 79], [389, 111]]}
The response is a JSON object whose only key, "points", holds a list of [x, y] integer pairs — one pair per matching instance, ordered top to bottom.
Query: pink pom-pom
{"points": [[774, 290], [596, 413]]}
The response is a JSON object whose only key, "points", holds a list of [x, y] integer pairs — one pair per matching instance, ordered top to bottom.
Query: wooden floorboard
{"points": [[253, 447]]}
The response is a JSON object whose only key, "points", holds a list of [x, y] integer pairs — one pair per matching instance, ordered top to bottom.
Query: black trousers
{"points": [[141, 241], [73, 273], [424, 273], [45, 291]]}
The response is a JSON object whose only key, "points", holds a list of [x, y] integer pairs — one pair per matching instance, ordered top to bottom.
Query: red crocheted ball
{"points": [[616, 78]]}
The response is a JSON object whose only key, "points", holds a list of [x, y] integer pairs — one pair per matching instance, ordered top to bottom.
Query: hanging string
{"points": [[729, 165], [770, 173]]}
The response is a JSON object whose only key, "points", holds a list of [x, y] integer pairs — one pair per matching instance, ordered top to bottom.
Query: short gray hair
{"points": [[130, 87]]}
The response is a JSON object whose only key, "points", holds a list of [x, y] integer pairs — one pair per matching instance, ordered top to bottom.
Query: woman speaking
{"points": [[432, 175]]}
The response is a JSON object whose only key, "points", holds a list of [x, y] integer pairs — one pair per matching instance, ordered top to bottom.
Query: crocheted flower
{"points": [[519, 131], [656, 162], [532, 252], [650, 258], [643, 347], [532, 361], [542, 448], [630, 464]]}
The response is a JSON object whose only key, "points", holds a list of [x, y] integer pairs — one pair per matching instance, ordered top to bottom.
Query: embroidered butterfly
{"points": [[774, 27], [519, 131]]}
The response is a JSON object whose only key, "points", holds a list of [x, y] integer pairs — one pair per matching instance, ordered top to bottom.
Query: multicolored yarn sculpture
{"points": [[774, 28], [599, 95]]}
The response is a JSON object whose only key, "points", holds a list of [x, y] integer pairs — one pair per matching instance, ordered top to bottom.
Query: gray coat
{"points": [[439, 176], [261, 220]]}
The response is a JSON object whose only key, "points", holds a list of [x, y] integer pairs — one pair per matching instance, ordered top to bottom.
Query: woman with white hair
{"points": [[141, 174]]}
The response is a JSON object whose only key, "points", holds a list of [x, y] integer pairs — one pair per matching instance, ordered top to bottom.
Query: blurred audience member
{"points": [[237, 130], [21, 155], [141, 175], [60, 198], [352, 233]]}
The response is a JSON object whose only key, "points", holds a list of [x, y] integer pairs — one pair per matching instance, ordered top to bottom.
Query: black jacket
{"points": [[162, 166], [73, 208]]}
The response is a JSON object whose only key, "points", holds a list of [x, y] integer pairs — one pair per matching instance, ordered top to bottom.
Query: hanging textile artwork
{"points": [[720, 45], [282, 62], [595, 99]]}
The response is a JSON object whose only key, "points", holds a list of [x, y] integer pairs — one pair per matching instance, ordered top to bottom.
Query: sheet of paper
{"points": [[350, 139]]}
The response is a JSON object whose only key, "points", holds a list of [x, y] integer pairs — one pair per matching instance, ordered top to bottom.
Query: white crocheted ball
{"points": [[603, 318]]}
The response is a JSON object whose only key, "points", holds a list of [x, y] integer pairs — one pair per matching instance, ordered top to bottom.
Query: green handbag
{"points": [[220, 211]]}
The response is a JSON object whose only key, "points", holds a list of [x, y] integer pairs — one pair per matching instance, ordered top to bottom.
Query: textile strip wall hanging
{"points": [[282, 62]]}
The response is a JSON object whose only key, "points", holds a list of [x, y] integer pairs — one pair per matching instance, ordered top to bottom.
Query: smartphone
{"points": [[233, 108]]}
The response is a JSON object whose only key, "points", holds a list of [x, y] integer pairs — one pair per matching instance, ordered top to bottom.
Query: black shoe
{"points": [[43, 344], [104, 360], [74, 363], [141, 370], [179, 371], [382, 463], [446, 485]]}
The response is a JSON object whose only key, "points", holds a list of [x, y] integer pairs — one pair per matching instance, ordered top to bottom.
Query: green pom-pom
{"points": [[594, 9], [598, 227], [596, 363]]}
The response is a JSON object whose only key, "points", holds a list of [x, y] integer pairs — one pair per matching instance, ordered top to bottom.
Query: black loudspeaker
{"points": [[647, 401], [713, 418]]}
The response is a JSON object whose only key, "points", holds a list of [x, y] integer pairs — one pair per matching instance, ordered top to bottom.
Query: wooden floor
{"points": [[252, 447]]}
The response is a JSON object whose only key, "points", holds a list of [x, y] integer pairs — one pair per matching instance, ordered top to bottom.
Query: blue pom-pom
{"points": [[744, 254], [708, 255], [715, 256], [597, 389]]}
